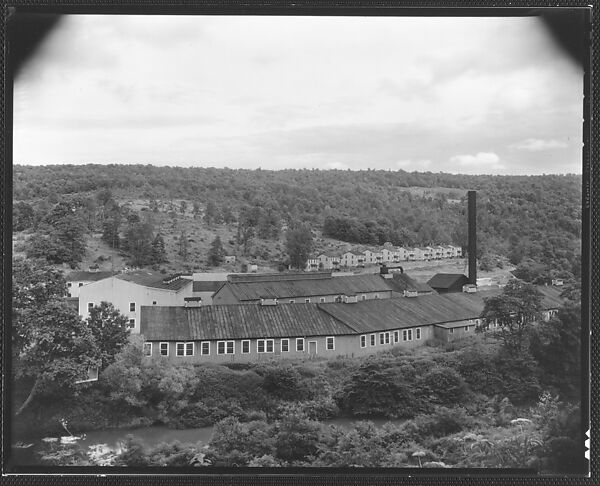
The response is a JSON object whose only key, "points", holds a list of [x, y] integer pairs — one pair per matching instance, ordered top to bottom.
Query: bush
{"points": [[443, 386]]}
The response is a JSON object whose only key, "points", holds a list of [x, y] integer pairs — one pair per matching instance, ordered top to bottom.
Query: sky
{"points": [[440, 94]]}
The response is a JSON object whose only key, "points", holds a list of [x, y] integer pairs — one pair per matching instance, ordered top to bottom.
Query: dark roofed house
{"points": [[448, 282], [407, 286]]}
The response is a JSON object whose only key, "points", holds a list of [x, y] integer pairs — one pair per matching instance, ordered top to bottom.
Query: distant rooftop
{"points": [[87, 276], [155, 280]]}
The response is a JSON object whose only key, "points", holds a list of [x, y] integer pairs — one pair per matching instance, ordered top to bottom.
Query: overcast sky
{"points": [[460, 95]]}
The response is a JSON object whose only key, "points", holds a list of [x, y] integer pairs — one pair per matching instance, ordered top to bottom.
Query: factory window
{"points": [[81, 284], [377, 296], [363, 297], [321, 300], [292, 301], [307, 301], [153, 302], [131, 306], [131, 323], [466, 328], [451, 331], [418, 333], [407, 335], [396, 336], [381, 338], [387, 338], [373, 340], [363, 341], [330, 343], [299, 344], [264, 345], [270, 345], [285, 345], [220, 347], [225, 347], [230, 347], [245, 347], [205, 348], [147, 349], [164, 349], [184, 349]]}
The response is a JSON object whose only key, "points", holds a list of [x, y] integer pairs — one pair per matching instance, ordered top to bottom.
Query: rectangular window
{"points": [[68, 284], [81, 284], [377, 296], [363, 297], [321, 300], [292, 301], [307, 301], [153, 302], [90, 306], [132, 307], [131, 323], [466, 328], [451, 331], [418, 333], [410, 334], [404, 335], [396, 336], [381, 338], [387, 338], [373, 340], [363, 341], [330, 343], [300, 344], [270, 345], [285, 345], [260, 346], [220, 347], [230, 347], [245, 347], [205, 348], [147, 349], [164, 349], [180, 349], [189, 349]]}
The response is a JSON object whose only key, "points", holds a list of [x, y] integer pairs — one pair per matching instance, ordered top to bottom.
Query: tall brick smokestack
{"points": [[472, 248]]}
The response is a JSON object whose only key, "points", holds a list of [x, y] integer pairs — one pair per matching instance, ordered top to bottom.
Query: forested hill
{"points": [[537, 217]]}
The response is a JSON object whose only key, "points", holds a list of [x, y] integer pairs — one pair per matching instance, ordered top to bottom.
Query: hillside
{"points": [[531, 219]]}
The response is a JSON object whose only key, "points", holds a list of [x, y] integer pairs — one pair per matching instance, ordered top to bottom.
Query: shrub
{"points": [[443, 385]]}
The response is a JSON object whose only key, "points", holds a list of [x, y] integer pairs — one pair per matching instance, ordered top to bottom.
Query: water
{"points": [[159, 433]]}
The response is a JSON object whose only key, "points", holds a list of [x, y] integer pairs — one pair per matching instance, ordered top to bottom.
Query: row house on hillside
{"points": [[250, 333]]}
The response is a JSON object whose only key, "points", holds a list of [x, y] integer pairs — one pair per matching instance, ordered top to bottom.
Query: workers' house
{"points": [[349, 260], [76, 280], [300, 288], [129, 291], [252, 333]]}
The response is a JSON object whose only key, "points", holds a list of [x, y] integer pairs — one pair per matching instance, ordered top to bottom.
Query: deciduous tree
{"points": [[299, 244]]}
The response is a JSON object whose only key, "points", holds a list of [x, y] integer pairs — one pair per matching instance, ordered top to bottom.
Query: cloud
{"points": [[536, 145], [480, 159]]}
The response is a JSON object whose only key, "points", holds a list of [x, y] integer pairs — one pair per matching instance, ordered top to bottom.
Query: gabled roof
{"points": [[87, 276], [156, 280], [447, 280], [401, 282], [207, 286], [281, 289], [296, 320], [237, 322]]}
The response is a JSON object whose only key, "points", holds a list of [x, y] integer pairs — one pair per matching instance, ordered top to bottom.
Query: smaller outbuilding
{"points": [[444, 283]]}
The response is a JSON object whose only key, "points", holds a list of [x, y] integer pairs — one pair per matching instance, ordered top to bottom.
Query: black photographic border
{"points": [[330, 476]]}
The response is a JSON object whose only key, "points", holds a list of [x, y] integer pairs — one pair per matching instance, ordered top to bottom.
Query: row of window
{"points": [[322, 299], [387, 337], [228, 347]]}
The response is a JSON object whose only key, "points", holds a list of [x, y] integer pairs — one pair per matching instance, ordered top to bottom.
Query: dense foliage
{"points": [[526, 218]]}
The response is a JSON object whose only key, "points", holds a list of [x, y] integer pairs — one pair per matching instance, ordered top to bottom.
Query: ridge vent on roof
{"points": [[277, 277], [172, 278]]}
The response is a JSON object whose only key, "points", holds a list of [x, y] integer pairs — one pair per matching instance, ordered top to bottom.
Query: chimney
{"points": [[472, 243]]}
